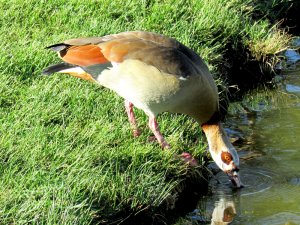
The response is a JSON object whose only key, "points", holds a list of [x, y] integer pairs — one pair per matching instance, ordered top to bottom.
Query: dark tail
{"points": [[58, 47], [61, 48], [56, 68]]}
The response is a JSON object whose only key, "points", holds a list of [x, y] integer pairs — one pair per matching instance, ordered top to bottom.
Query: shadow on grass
{"points": [[184, 199]]}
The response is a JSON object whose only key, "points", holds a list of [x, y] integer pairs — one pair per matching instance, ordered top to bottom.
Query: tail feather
{"points": [[58, 47], [57, 68]]}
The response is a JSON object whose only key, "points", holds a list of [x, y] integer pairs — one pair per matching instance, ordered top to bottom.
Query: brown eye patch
{"points": [[226, 157]]}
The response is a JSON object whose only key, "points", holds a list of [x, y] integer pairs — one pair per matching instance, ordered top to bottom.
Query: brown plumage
{"points": [[156, 74]]}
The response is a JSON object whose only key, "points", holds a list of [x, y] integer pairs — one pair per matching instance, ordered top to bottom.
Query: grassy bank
{"points": [[66, 151]]}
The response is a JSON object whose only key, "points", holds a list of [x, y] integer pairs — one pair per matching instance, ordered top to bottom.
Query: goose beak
{"points": [[235, 179]]}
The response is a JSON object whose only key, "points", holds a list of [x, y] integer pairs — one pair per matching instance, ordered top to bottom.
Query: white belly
{"points": [[145, 86]]}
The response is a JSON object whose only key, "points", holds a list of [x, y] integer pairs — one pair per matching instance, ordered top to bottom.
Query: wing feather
{"points": [[166, 54]]}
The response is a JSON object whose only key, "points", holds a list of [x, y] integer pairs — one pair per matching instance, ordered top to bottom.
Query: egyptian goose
{"points": [[156, 74]]}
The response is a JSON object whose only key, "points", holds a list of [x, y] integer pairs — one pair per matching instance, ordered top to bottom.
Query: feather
{"points": [[57, 68]]}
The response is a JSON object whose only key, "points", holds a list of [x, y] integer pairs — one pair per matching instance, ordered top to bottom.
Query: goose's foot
{"points": [[131, 117], [153, 125], [136, 132], [188, 158]]}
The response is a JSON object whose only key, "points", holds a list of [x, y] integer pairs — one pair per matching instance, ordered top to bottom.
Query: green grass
{"points": [[67, 155]]}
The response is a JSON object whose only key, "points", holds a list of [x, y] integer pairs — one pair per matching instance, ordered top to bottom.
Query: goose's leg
{"points": [[131, 118], [153, 125], [187, 157]]}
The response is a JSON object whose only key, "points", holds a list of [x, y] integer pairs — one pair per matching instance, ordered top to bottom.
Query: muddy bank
{"points": [[242, 72]]}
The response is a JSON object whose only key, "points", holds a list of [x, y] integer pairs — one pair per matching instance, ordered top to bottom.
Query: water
{"points": [[270, 166]]}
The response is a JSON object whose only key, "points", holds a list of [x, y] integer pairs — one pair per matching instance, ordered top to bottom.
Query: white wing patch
{"points": [[77, 70]]}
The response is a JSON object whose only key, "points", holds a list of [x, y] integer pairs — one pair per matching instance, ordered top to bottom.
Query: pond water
{"points": [[270, 165]]}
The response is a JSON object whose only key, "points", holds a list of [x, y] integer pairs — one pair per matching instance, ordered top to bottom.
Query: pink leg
{"points": [[131, 117], [155, 129], [187, 157]]}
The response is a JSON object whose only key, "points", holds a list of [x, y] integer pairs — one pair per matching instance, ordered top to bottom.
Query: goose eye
{"points": [[226, 157]]}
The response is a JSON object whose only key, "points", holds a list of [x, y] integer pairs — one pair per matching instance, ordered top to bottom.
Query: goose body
{"points": [[156, 74]]}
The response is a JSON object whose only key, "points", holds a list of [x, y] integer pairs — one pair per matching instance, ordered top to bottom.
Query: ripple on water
{"points": [[255, 181], [295, 181], [286, 218]]}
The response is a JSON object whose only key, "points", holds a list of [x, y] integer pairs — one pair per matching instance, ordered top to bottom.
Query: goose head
{"points": [[222, 152]]}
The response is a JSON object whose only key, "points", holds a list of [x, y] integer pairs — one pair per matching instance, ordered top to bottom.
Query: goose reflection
{"points": [[224, 212]]}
